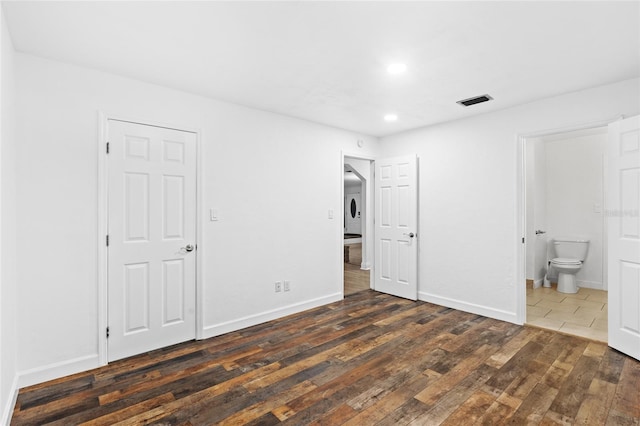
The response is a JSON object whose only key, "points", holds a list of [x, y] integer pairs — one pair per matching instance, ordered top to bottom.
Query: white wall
{"points": [[351, 188], [574, 190], [469, 194], [270, 227], [8, 338]]}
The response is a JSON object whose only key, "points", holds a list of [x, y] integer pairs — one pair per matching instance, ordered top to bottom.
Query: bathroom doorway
{"points": [[564, 185], [357, 224]]}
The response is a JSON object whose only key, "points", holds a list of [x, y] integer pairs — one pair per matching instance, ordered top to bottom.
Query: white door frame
{"points": [[368, 196], [521, 208], [102, 210]]}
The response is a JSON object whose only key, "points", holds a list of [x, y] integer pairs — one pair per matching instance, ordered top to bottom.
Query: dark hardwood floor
{"points": [[370, 359]]}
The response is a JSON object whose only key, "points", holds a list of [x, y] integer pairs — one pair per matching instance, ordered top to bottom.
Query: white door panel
{"points": [[623, 206], [352, 213], [152, 216], [396, 224]]}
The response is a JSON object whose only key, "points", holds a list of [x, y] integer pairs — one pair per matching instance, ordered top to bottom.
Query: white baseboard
{"points": [[365, 266], [538, 283], [589, 284], [469, 307], [248, 321], [57, 370], [7, 412]]}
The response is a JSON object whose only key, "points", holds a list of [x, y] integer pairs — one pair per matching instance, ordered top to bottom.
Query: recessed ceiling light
{"points": [[396, 68], [390, 117]]}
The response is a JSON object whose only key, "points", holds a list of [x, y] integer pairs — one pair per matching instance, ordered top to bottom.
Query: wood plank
{"points": [[506, 352], [472, 364], [611, 366], [514, 368], [574, 388], [626, 401], [390, 402], [449, 402], [535, 405], [261, 408], [594, 409], [470, 410], [127, 412], [498, 413], [405, 414]]}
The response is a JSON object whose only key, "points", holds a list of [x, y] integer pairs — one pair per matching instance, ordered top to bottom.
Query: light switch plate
{"points": [[213, 215]]}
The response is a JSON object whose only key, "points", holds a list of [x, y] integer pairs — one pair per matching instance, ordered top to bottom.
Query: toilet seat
{"points": [[565, 261]]}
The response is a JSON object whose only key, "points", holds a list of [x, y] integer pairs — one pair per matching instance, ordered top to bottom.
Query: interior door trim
{"points": [[102, 228]]}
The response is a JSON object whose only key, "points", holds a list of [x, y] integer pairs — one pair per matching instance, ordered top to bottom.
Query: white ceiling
{"points": [[326, 61]]}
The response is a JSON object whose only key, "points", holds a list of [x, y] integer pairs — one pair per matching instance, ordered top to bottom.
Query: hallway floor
{"points": [[355, 279], [581, 314]]}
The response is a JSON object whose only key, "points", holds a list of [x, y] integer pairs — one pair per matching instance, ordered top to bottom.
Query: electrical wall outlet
{"points": [[287, 285], [278, 286]]}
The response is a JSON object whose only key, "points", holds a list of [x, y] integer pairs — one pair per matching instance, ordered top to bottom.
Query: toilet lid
{"points": [[565, 261]]}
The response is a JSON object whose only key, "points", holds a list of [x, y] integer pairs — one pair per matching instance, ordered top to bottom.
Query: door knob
{"points": [[538, 232], [410, 235], [188, 248]]}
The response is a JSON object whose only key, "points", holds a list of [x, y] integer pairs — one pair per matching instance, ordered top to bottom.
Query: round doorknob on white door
{"points": [[410, 235], [188, 248]]}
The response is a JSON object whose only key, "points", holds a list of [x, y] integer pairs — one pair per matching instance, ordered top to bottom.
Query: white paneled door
{"points": [[623, 208], [352, 213], [396, 226], [152, 237]]}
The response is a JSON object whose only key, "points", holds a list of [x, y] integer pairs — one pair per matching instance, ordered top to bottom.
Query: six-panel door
{"points": [[396, 223], [152, 235]]}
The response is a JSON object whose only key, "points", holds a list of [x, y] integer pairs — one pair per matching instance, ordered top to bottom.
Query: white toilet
{"points": [[571, 254]]}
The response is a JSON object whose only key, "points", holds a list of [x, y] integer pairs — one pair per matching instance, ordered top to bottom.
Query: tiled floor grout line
{"points": [[580, 314]]}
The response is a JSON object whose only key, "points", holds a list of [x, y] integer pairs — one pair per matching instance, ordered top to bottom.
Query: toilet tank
{"points": [[571, 248]]}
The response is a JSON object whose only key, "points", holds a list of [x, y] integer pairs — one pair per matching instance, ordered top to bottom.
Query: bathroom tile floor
{"points": [[581, 314]]}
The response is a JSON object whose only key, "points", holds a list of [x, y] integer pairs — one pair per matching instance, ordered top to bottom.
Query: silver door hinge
{"points": [[107, 147], [107, 240], [522, 240], [107, 332]]}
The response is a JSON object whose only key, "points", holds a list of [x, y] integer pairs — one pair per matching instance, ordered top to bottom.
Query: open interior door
{"points": [[623, 208], [396, 226]]}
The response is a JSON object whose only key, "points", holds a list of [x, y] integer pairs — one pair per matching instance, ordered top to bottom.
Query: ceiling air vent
{"points": [[475, 100]]}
